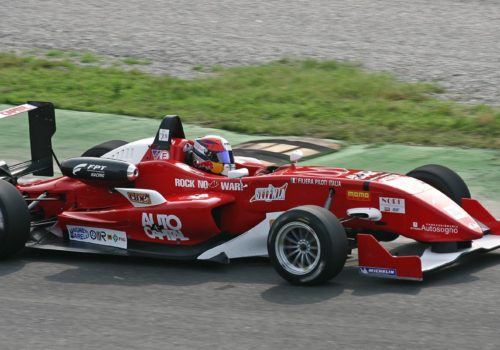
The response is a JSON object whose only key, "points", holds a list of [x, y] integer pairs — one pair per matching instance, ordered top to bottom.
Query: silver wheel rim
{"points": [[2, 221], [297, 248]]}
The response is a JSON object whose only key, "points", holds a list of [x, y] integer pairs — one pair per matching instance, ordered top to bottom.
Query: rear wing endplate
{"points": [[42, 126]]}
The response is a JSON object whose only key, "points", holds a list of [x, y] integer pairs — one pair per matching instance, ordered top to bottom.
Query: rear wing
{"points": [[42, 126]]}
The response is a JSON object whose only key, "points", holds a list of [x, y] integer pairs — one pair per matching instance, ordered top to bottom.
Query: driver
{"points": [[213, 154]]}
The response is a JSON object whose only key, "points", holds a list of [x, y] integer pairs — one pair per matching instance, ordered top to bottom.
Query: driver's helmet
{"points": [[214, 154]]}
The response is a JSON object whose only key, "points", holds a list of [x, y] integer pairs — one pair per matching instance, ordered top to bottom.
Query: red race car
{"points": [[147, 198]]}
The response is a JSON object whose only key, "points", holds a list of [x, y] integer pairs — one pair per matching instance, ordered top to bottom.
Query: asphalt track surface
{"points": [[453, 42], [56, 300], [68, 301]]}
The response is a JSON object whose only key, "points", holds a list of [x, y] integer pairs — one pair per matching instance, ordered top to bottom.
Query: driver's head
{"points": [[213, 154]]}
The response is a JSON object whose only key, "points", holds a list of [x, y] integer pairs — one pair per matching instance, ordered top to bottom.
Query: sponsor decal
{"points": [[16, 110], [164, 134], [159, 154], [79, 167], [94, 170], [361, 175], [313, 181], [185, 183], [202, 184], [231, 186], [269, 194], [358, 195], [140, 198], [392, 205], [456, 212], [166, 227], [437, 228], [79, 233], [102, 236], [377, 271]]}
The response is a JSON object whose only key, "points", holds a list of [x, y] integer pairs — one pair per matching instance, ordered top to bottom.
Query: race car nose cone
{"points": [[132, 172]]}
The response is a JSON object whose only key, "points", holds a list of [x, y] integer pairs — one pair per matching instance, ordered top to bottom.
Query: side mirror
{"points": [[296, 156], [238, 173], [370, 214]]}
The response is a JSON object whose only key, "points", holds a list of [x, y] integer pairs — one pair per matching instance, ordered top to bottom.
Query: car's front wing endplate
{"points": [[375, 260]]}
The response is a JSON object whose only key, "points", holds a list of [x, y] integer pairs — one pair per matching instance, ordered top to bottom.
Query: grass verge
{"points": [[313, 98]]}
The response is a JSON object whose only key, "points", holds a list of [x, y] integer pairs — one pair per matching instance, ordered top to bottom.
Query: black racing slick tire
{"points": [[103, 148], [443, 179], [14, 220], [307, 245]]}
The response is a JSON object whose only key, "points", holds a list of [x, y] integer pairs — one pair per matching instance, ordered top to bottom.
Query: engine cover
{"points": [[99, 169]]}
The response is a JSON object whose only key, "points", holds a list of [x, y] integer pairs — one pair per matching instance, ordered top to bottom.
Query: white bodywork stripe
{"points": [[9, 112], [132, 152], [250, 243], [431, 260]]}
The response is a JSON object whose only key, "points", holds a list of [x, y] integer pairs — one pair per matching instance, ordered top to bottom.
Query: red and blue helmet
{"points": [[214, 154]]}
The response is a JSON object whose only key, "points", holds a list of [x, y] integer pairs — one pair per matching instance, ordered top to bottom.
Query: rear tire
{"points": [[103, 148], [442, 179], [14, 220], [307, 245]]}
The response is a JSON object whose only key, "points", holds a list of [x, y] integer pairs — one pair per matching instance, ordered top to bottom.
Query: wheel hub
{"points": [[304, 245], [297, 248]]}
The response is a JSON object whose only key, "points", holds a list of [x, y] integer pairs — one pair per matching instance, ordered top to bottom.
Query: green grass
{"points": [[55, 53], [88, 57], [135, 61], [313, 98]]}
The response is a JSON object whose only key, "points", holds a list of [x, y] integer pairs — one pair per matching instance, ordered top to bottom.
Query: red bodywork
{"points": [[146, 198], [207, 205]]}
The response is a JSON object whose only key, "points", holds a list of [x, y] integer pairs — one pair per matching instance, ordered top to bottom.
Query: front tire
{"points": [[14, 220], [307, 245]]}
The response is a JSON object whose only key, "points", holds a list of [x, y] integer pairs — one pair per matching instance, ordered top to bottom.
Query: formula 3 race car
{"points": [[144, 198]]}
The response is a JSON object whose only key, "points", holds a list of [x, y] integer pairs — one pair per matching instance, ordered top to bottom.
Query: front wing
{"points": [[412, 261]]}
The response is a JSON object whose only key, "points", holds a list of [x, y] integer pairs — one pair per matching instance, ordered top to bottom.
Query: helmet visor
{"points": [[224, 157]]}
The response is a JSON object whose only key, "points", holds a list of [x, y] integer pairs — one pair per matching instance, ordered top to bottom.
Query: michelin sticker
{"points": [[101, 236], [377, 271]]}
